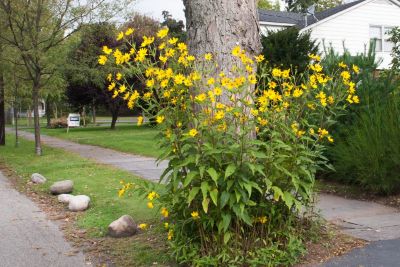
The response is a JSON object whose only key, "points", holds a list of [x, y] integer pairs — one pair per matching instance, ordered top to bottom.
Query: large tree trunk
{"points": [[218, 26], [2, 111], [36, 122]]}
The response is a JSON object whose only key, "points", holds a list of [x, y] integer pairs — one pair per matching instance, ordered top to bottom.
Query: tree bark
{"points": [[218, 26], [2, 111], [48, 111], [94, 112], [114, 114], [36, 122]]}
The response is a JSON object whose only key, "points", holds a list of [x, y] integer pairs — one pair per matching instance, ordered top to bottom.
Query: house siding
{"points": [[264, 28], [352, 28]]}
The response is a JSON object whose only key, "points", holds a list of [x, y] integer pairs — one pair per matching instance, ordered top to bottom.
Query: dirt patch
{"points": [[331, 243]]}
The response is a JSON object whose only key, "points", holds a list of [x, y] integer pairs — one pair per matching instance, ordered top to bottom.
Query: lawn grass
{"points": [[140, 140], [101, 183]]}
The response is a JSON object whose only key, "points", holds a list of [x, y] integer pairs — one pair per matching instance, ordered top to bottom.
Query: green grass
{"points": [[126, 138], [101, 183]]}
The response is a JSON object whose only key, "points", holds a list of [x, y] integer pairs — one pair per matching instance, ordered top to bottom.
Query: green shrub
{"points": [[288, 48], [368, 153]]}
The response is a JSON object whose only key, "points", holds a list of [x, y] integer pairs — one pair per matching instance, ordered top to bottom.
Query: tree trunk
{"points": [[218, 26], [2, 112], [48, 112], [94, 112], [114, 114], [36, 122]]}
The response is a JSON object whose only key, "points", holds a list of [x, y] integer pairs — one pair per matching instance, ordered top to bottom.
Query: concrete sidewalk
{"points": [[27, 237]]}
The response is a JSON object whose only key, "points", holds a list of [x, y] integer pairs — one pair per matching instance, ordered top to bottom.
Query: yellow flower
{"points": [[129, 31], [162, 33], [120, 36], [173, 40], [147, 41], [162, 46], [182, 47], [107, 50], [236, 51], [208, 56], [314, 57], [190, 58], [259, 58], [163, 59], [102, 60], [342, 65], [316, 67], [356, 69], [276, 72], [286, 73], [345, 75], [118, 76], [109, 77], [179, 79], [252, 79], [211, 81], [150, 83], [111, 86], [122, 88], [217, 91], [297, 92], [201, 97], [331, 100], [356, 100], [254, 112], [220, 114], [160, 119], [140, 120], [311, 131], [193, 132], [322, 132], [330, 139], [121, 192], [152, 195], [150, 205], [164, 213], [195, 215], [263, 219], [166, 225], [143, 226], [170, 234]]}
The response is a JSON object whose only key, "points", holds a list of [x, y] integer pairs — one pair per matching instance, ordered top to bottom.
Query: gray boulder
{"points": [[37, 178], [62, 187], [65, 198], [78, 203], [123, 227]]}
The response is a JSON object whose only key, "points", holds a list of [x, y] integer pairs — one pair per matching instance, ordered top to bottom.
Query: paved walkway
{"points": [[366, 220], [27, 237]]}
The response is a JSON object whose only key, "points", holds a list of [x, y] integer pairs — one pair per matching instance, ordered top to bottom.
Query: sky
{"points": [[153, 8]]}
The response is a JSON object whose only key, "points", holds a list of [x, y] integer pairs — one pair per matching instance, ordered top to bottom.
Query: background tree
{"points": [[267, 5], [299, 5], [322, 5], [37, 27], [176, 28], [395, 38], [289, 48]]}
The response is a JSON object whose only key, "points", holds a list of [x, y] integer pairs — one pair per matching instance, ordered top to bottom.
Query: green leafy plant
{"points": [[242, 154]]}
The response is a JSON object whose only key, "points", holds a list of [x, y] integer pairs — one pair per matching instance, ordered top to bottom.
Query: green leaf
{"points": [[202, 169], [230, 170], [214, 175], [190, 177], [204, 188], [277, 193], [192, 194], [214, 196], [224, 198], [288, 198], [205, 203], [226, 221], [227, 236]]}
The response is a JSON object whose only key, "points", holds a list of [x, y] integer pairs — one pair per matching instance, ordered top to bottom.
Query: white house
{"points": [[353, 24]]}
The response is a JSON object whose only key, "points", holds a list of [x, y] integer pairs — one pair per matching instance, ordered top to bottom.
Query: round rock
{"points": [[37, 178], [62, 187], [65, 198], [79, 203], [123, 227]]}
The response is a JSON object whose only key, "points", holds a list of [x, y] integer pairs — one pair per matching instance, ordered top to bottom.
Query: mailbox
{"points": [[74, 120]]}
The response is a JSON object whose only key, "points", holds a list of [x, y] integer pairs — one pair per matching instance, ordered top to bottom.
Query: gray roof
{"points": [[298, 19]]}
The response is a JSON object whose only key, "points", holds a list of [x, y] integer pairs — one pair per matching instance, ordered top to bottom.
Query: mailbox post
{"points": [[74, 120]]}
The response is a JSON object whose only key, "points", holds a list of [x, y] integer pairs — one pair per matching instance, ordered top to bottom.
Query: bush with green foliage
{"points": [[288, 48], [368, 150]]}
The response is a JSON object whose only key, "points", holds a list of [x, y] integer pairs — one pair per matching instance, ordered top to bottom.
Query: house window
{"points": [[380, 35]]}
